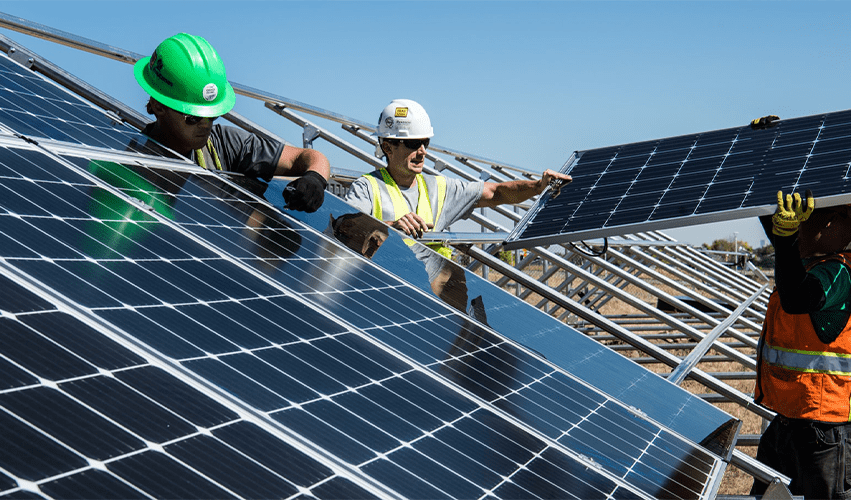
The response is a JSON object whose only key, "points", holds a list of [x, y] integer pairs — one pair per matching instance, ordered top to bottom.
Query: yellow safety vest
{"points": [[199, 156], [400, 206]]}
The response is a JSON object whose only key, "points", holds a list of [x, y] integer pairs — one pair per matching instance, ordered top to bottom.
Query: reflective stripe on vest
{"points": [[401, 207], [832, 363]]}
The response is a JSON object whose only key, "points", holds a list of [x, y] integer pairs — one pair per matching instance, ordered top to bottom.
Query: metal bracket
{"points": [[22, 56], [114, 116], [309, 134], [439, 164], [777, 491]]}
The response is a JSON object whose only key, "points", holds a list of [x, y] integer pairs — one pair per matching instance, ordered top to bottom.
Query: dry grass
{"points": [[735, 481]]}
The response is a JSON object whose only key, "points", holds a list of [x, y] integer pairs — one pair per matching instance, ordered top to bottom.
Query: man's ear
{"points": [[157, 108], [385, 146]]}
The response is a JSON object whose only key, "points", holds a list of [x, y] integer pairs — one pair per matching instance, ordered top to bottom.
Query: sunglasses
{"points": [[193, 120], [411, 143]]}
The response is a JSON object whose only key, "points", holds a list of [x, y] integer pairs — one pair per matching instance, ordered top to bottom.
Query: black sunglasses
{"points": [[195, 120], [411, 143]]}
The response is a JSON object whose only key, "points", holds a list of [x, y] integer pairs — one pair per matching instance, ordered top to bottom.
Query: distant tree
{"points": [[763, 257]]}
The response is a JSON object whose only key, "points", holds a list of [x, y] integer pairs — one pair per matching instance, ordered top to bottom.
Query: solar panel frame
{"points": [[692, 179]]}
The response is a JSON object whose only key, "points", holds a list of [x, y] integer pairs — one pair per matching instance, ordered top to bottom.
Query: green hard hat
{"points": [[186, 74]]}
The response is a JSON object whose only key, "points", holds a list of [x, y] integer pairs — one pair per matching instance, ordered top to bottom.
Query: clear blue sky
{"points": [[525, 83]]}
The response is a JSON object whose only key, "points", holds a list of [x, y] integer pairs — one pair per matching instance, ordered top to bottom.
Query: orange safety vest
{"points": [[798, 375]]}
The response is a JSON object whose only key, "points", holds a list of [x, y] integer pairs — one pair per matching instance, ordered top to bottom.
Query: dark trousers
{"points": [[816, 455]]}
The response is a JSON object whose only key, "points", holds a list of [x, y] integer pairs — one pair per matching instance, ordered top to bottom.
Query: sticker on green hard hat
{"points": [[186, 74], [210, 92]]}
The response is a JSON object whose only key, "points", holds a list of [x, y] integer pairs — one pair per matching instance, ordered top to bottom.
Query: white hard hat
{"points": [[404, 119]]}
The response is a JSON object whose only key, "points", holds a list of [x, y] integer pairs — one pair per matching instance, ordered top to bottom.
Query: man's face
{"points": [[182, 133], [406, 155]]}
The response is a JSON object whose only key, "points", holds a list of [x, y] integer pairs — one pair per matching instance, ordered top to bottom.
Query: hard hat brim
{"points": [[202, 110]]}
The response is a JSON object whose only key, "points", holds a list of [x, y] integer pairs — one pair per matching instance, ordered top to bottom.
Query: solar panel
{"points": [[37, 108], [693, 179], [149, 276], [515, 319], [195, 341]]}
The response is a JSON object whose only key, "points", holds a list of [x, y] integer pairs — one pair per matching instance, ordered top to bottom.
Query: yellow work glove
{"points": [[764, 122], [791, 212]]}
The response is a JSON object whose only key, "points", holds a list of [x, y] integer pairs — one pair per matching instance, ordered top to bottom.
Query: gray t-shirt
{"points": [[243, 152], [461, 198]]}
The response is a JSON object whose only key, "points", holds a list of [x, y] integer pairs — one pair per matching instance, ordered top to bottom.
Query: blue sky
{"points": [[525, 83]]}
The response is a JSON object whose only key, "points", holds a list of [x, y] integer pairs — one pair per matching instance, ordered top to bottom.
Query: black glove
{"points": [[764, 122], [306, 193]]}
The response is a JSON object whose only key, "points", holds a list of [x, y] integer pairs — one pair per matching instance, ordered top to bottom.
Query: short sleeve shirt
{"points": [[243, 152], [461, 198]]}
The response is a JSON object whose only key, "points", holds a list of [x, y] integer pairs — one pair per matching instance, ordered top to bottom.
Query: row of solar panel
{"points": [[171, 335]]}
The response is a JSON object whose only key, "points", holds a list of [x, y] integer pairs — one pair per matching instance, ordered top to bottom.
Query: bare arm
{"points": [[294, 162], [517, 191]]}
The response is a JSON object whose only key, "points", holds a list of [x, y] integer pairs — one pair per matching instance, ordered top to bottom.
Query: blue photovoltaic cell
{"points": [[34, 107], [706, 177], [310, 314]]}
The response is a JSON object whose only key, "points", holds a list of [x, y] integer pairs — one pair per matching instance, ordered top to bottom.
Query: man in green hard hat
{"points": [[189, 89]]}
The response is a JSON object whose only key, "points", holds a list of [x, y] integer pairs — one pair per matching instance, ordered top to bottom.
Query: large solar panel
{"points": [[692, 179], [515, 319], [168, 334]]}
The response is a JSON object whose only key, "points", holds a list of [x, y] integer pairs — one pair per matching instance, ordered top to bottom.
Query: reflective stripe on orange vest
{"points": [[808, 361]]}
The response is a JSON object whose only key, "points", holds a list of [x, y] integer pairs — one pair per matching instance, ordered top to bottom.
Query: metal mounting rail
{"points": [[679, 374]]}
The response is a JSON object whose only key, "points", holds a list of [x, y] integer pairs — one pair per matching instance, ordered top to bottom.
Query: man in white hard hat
{"points": [[413, 202]]}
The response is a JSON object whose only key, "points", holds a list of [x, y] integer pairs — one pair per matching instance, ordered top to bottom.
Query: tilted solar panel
{"points": [[38, 108], [693, 179], [132, 260], [515, 319], [196, 342]]}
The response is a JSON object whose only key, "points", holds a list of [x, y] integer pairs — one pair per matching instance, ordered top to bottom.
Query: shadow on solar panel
{"points": [[167, 333]]}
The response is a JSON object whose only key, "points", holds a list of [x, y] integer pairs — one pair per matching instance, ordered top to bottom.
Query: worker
{"points": [[188, 90], [402, 196], [413, 202], [804, 352]]}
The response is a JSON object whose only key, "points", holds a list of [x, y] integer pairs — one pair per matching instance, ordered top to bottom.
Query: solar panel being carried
{"points": [[693, 179], [166, 333]]}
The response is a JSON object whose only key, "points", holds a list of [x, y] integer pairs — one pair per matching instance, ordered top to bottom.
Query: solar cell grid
{"points": [[34, 107], [706, 177], [561, 345], [246, 364], [87, 413]]}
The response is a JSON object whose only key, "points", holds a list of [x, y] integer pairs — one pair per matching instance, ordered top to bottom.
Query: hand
{"points": [[764, 122], [554, 179], [306, 193], [791, 212], [411, 224]]}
